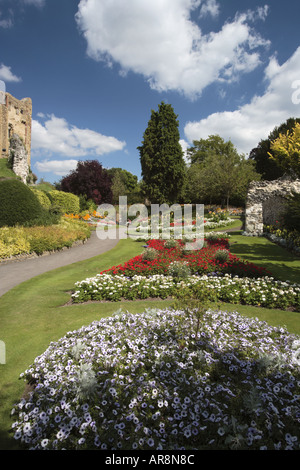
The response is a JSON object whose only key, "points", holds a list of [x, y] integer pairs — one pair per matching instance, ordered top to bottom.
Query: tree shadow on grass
{"points": [[280, 262]]}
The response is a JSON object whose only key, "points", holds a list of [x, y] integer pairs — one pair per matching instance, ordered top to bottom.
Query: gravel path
{"points": [[14, 272]]}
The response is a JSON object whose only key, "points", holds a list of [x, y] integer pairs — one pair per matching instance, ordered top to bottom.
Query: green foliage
{"points": [[214, 144], [285, 150], [161, 156], [264, 165], [5, 169], [217, 173], [129, 180], [126, 184], [44, 186], [118, 188], [42, 197], [66, 202], [86, 204], [18, 205], [292, 213], [45, 219], [38, 239], [13, 242], [171, 243], [150, 254], [221, 255], [179, 270]]}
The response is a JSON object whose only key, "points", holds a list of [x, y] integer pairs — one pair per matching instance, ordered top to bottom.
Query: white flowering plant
{"points": [[265, 291], [154, 381]]}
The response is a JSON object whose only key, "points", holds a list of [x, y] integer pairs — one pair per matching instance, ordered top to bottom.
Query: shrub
{"points": [[42, 197], [65, 202], [18, 203], [86, 204], [292, 212], [47, 218], [38, 239], [49, 239], [13, 241], [171, 243], [150, 254], [222, 256], [179, 269]]}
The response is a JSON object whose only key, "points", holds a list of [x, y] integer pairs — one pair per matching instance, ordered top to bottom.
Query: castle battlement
{"points": [[15, 118]]}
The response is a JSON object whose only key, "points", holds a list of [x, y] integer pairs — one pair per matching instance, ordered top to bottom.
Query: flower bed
{"points": [[91, 217], [144, 228], [289, 239], [200, 261], [166, 270], [265, 292], [165, 380]]}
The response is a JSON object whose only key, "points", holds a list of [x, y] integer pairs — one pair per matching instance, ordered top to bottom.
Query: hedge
{"points": [[42, 197], [65, 202], [18, 204]]}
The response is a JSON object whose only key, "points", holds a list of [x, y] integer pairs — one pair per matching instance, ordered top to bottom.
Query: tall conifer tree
{"points": [[161, 156]]}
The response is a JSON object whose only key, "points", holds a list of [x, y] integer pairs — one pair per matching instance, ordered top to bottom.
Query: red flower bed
{"points": [[200, 261]]}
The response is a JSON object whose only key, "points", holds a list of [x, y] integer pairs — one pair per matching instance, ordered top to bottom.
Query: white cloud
{"points": [[36, 3], [210, 7], [14, 10], [259, 14], [6, 22], [159, 40], [6, 74], [250, 123], [56, 135], [184, 145], [58, 167]]}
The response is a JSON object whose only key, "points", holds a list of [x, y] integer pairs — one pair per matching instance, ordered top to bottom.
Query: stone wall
{"points": [[15, 118], [18, 157], [265, 202]]}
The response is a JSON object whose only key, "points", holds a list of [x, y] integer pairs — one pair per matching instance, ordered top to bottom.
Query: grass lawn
{"points": [[5, 171], [259, 250], [34, 313]]}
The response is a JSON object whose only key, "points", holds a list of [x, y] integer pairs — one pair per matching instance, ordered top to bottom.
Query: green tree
{"points": [[214, 144], [285, 150], [161, 156], [264, 165], [219, 174], [129, 180], [126, 184], [118, 188]]}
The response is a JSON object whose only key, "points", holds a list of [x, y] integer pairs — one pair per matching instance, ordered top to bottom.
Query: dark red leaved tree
{"points": [[89, 179]]}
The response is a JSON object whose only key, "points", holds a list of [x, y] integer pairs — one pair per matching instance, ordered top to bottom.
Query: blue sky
{"points": [[95, 69]]}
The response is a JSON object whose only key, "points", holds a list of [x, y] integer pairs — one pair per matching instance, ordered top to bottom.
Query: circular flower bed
{"points": [[165, 379]]}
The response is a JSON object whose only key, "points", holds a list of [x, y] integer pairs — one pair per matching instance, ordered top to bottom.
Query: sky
{"points": [[95, 69]]}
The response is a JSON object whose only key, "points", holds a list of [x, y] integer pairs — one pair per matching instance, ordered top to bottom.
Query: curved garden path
{"points": [[14, 272]]}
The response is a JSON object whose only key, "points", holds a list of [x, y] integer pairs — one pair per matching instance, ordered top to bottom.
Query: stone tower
{"points": [[15, 118]]}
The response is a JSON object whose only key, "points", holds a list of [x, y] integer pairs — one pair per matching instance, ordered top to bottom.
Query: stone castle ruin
{"points": [[15, 132], [265, 202]]}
